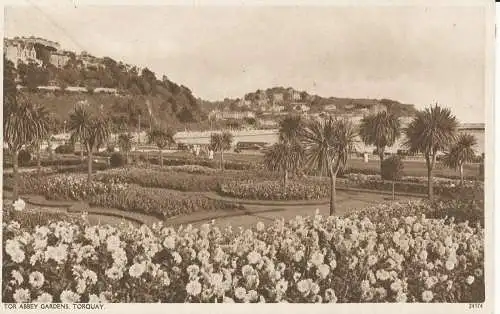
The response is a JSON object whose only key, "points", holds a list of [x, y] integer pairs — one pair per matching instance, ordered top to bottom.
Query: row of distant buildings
{"points": [[24, 49], [74, 89]]}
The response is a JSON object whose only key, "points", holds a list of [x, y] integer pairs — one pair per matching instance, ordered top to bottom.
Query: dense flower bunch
{"points": [[229, 165], [196, 169], [177, 180], [273, 190], [158, 202], [308, 259]]}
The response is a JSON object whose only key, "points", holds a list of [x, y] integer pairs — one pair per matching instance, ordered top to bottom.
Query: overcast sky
{"points": [[412, 54]]}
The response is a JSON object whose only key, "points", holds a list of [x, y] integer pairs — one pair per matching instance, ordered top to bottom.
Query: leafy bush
{"points": [[65, 149], [24, 157], [117, 160], [392, 168], [273, 190], [159, 202], [30, 218], [359, 258]]}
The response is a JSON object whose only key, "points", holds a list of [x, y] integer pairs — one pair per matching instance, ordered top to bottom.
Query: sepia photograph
{"points": [[247, 153]]}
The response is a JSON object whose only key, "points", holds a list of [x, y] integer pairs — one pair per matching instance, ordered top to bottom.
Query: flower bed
{"points": [[229, 165], [177, 180], [64, 187], [273, 190], [159, 202], [312, 259]]}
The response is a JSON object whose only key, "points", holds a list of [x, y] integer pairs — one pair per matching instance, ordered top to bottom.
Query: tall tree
{"points": [[24, 124], [290, 128], [91, 130], [381, 130], [431, 131], [161, 137], [220, 142], [328, 145], [460, 152], [284, 158]]}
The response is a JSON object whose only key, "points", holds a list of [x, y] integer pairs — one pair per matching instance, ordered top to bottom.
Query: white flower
{"points": [[19, 205], [260, 226], [169, 242], [113, 243], [13, 248], [58, 253], [298, 256], [254, 257], [177, 258], [317, 258], [372, 260], [333, 264], [449, 265], [137, 270], [323, 271], [114, 273], [18, 277], [36, 279], [469, 280], [397, 285], [282, 286], [304, 286], [193, 288], [240, 293], [21, 295], [68, 296], [330, 296], [427, 296], [401, 297], [44, 298], [94, 299], [227, 300]]}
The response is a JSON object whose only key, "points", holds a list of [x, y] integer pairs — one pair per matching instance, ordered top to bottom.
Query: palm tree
{"points": [[24, 125], [290, 128], [91, 130], [381, 130], [431, 131], [161, 138], [219, 142], [125, 144], [327, 145], [460, 153], [284, 157]]}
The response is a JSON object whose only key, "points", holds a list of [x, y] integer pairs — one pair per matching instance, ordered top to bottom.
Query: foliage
{"points": [[381, 130], [431, 131], [161, 137], [125, 142], [328, 145], [65, 149], [460, 153], [24, 157], [284, 158], [117, 160], [392, 168], [175, 180], [273, 190], [159, 202], [381, 255]]}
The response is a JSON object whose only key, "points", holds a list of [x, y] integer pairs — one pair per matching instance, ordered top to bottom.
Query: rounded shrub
{"points": [[65, 149], [24, 157], [117, 160], [392, 168]]}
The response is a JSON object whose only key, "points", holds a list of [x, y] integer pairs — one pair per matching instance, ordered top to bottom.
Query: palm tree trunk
{"points": [[51, 151], [81, 153], [381, 156], [161, 158], [38, 160], [222, 160], [89, 169], [15, 172], [461, 173], [285, 181], [430, 183], [332, 193], [393, 195]]}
